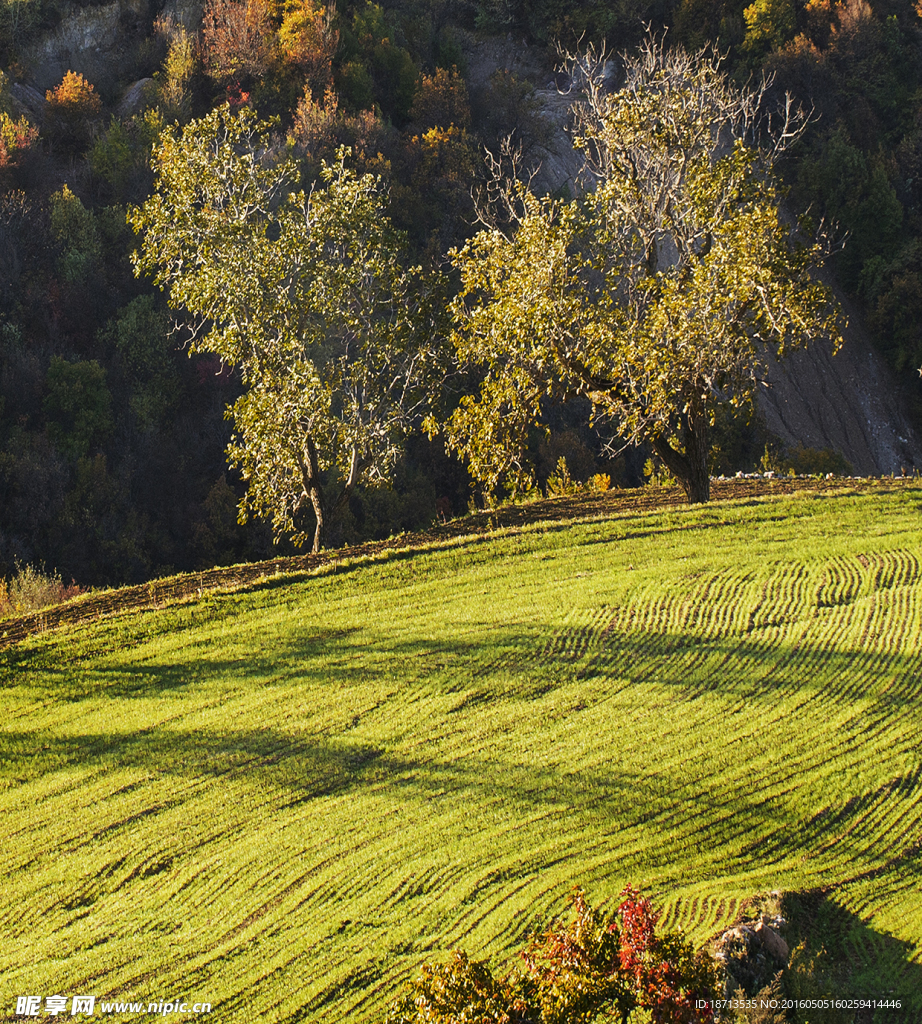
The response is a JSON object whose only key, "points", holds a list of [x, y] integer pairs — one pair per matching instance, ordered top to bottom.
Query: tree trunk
{"points": [[697, 438], [690, 467], [356, 468], [310, 473], [317, 501]]}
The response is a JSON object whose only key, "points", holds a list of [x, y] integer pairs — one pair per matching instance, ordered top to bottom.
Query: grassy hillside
{"points": [[282, 801]]}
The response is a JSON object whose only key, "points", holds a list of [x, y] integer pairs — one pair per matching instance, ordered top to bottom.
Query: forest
{"points": [[119, 461]]}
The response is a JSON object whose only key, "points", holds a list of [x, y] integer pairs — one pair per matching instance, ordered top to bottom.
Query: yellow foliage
{"points": [[308, 40], [75, 95], [72, 109], [14, 136]]}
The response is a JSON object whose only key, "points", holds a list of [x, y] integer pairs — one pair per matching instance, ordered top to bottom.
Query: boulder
{"points": [[133, 98], [29, 100], [772, 942], [751, 954]]}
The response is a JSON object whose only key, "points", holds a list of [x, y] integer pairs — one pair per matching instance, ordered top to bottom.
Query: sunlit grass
{"points": [[282, 801]]}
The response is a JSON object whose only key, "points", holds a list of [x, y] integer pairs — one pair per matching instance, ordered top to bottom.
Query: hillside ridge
{"points": [[185, 586], [284, 800]]}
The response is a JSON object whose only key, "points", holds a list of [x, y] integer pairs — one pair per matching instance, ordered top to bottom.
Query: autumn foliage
{"points": [[237, 40], [245, 41], [308, 41], [441, 101], [72, 109], [16, 137], [601, 963], [668, 977]]}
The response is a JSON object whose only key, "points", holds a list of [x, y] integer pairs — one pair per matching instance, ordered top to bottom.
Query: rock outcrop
{"points": [[97, 42], [134, 97], [28, 101], [751, 954]]}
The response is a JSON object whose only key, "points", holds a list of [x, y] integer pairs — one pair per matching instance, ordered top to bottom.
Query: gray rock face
{"points": [[187, 13], [96, 42], [30, 101], [848, 401]]}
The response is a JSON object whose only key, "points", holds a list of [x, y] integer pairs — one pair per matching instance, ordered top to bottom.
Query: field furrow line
{"points": [[897, 567], [840, 582], [781, 598], [719, 606], [897, 632], [572, 643], [714, 912]]}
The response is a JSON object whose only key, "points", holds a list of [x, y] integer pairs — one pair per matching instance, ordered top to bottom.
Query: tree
{"points": [[769, 25], [238, 40], [308, 40], [71, 112], [16, 138], [74, 229], [658, 292], [306, 293], [78, 405], [602, 965]]}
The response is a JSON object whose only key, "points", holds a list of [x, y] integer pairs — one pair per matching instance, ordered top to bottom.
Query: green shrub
{"points": [[179, 67], [374, 69], [120, 156], [74, 228], [78, 405], [800, 460], [656, 474], [560, 482], [461, 991]]}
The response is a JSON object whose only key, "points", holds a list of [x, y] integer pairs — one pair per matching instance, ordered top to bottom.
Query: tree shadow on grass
{"points": [[524, 662], [752, 676], [121, 677], [304, 767], [607, 801], [604, 805], [607, 807], [843, 958]]}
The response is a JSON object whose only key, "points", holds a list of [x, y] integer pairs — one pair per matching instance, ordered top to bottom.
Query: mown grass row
{"points": [[282, 801]]}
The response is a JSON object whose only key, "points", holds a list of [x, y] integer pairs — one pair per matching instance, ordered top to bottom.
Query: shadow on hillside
{"points": [[525, 663], [531, 673], [611, 806], [651, 816], [844, 958]]}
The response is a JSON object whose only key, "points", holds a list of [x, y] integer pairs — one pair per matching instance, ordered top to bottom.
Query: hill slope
{"points": [[282, 801]]}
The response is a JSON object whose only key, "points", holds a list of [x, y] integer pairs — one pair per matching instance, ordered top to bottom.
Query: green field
{"points": [[282, 801]]}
